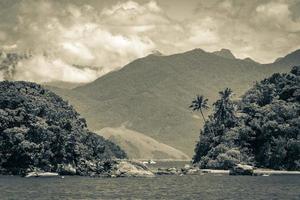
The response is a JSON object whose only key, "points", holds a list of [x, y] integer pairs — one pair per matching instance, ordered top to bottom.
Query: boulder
{"points": [[126, 168], [66, 169], [241, 169], [190, 170], [167, 171], [41, 174]]}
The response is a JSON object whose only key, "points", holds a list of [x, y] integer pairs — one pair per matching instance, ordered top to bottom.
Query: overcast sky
{"points": [[108, 34]]}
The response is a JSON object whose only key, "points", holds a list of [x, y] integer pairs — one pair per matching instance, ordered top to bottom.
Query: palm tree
{"points": [[226, 94], [199, 104], [224, 108]]}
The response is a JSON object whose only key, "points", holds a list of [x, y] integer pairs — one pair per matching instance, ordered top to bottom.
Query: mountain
{"points": [[225, 53], [291, 59], [250, 60], [62, 84], [151, 95], [40, 131], [140, 146]]}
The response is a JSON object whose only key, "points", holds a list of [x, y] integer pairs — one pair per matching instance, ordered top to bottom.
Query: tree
{"points": [[199, 104], [224, 109], [38, 130], [266, 133], [212, 136]]}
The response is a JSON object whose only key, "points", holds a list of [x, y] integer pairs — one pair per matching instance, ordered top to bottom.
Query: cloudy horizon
{"points": [[109, 34]]}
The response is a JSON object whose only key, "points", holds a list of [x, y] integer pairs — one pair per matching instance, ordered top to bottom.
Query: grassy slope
{"points": [[151, 95], [140, 146]]}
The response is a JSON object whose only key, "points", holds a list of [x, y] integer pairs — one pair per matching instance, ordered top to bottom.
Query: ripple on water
{"points": [[163, 187]]}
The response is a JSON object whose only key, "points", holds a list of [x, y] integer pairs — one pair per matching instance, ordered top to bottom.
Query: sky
{"points": [[108, 34]]}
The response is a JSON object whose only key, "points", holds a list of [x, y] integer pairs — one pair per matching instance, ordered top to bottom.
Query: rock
{"points": [[187, 166], [66, 169], [131, 169], [241, 169], [190, 170], [167, 171], [214, 171], [41, 174]]}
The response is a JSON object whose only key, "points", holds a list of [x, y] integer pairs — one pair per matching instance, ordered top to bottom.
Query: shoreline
{"points": [[138, 168], [256, 172]]}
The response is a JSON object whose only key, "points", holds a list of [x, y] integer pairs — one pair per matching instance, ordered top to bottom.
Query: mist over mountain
{"points": [[151, 95]]}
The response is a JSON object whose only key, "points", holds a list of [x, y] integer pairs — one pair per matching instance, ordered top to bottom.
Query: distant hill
{"points": [[152, 94], [140, 146]]}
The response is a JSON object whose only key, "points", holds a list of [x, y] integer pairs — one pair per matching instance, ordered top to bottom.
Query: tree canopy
{"points": [[40, 130], [266, 132]]}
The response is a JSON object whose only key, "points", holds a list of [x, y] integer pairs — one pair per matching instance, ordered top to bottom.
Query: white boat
{"points": [[152, 162], [265, 175]]}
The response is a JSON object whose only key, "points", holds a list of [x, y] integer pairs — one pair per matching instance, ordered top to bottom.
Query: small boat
{"points": [[152, 162], [265, 175]]}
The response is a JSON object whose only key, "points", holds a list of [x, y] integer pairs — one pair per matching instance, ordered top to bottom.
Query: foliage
{"points": [[199, 104], [272, 116], [40, 130], [266, 134], [209, 149]]}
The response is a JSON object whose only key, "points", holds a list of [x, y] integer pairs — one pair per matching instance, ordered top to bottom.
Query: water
{"points": [[163, 187]]}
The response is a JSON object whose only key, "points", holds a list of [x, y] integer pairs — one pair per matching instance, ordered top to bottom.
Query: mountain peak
{"points": [[156, 53], [225, 53], [248, 59]]}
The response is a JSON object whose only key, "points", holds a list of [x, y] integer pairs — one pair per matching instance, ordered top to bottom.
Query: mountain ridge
{"points": [[152, 94]]}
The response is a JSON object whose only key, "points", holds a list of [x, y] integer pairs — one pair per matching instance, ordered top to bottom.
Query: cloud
{"points": [[132, 13], [278, 15], [263, 30], [203, 32], [80, 36], [104, 36], [41, 69]]}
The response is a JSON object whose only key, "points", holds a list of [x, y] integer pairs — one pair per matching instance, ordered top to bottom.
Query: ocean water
{"points": [[206, 186]]}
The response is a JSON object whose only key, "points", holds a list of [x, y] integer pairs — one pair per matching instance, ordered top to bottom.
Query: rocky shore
{"points": [[132, 168]]}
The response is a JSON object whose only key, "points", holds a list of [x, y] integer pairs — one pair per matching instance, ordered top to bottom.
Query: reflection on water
{"points": [[163, 187]]}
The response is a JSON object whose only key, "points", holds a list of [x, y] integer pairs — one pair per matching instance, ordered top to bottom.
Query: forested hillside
{"points": [[40, 131], [264, 131]]}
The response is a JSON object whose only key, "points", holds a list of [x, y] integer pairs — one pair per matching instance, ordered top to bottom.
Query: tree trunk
{"points": [[203, 116], [205, 121]]}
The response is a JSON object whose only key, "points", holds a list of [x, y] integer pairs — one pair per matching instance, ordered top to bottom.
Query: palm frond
{"points": [[199, 103]]}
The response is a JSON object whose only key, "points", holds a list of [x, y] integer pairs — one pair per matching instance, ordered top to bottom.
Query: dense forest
{"points": [[261, 129], [40, 131]]}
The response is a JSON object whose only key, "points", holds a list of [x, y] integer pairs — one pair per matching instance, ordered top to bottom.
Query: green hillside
{"points": [[151, 95], [40, 131], [264, 131], [140, 146]]}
